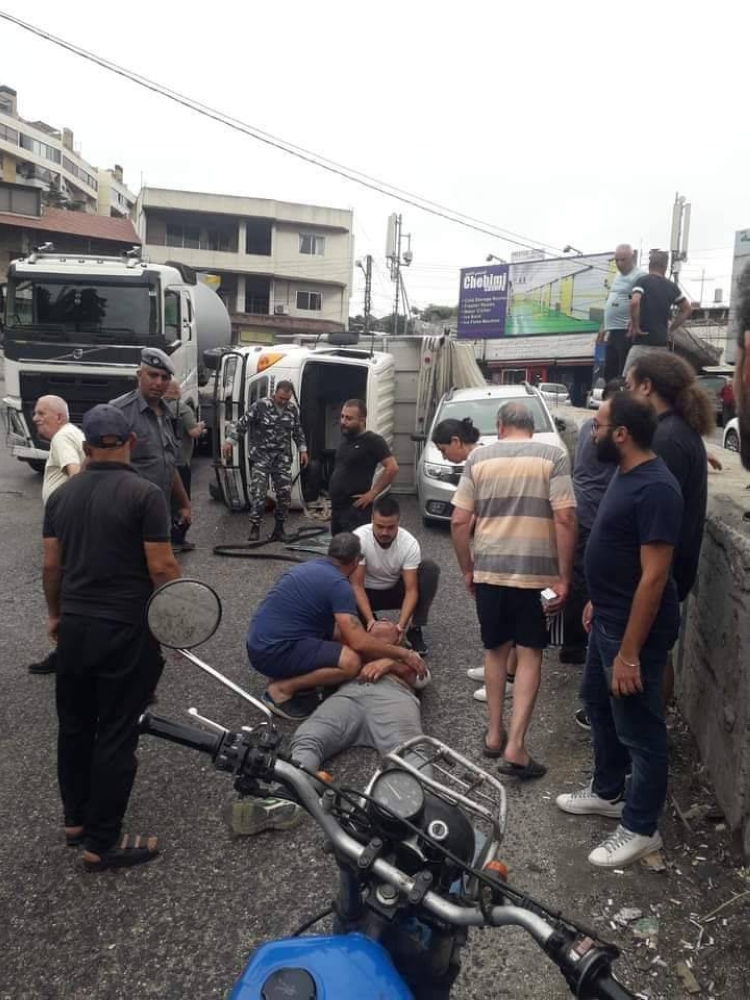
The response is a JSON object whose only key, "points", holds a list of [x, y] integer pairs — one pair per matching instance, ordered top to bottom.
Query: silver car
{"points": [[437, 479]]}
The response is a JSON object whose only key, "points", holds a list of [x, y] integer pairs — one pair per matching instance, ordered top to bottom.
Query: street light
{"points": [[572, 249], [492, 256]]}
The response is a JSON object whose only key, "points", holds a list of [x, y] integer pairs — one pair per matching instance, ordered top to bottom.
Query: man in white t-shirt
{"points": [[52, 422], [393, 575]]}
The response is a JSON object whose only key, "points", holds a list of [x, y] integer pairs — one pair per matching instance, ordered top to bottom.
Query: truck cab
{"points": [[75, 326], [323, 379]]}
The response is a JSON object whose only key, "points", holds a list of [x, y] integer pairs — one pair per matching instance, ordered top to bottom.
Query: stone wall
{"points": [[713, 668]]}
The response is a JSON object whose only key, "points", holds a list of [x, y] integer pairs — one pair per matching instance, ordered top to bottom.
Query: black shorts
{"points": [[510, 614]]}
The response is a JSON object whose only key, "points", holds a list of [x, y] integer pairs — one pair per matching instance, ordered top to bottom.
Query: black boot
{"points": [[254, 533], [278, 534]]}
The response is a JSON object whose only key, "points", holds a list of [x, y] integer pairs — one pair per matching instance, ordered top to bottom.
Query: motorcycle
{"points": [[417, 852]]}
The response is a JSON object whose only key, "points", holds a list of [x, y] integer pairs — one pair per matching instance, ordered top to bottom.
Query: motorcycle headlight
{"points": [[443, 473]]}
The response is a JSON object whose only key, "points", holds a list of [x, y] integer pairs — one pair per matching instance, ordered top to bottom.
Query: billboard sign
{"points": [[741, 261], [547, 296], [483, 301]]}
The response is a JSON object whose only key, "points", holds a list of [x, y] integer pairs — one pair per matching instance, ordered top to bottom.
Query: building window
{"points": [[9, 134], [40, 148], [79, 172], [19, 201], [188, 237], [258, 239], [312, 244], [310, 300]]}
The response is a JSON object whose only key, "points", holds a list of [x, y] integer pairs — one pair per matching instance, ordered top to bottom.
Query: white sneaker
{"points": [[475, 673], [481, 693], [584, 802], [623, 848]]}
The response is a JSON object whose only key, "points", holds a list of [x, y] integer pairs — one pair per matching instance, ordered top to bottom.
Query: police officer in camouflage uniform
{"points": [[273, 422]]}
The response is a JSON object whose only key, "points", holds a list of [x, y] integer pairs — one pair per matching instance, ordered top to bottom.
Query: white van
{"points": [[323, 379]]}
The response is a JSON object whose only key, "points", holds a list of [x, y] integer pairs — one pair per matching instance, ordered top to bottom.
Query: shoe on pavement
{"points": [[254, 533], [278, 534], [178, 547], [416, 640], [46, 666], [477, 674], [481, 693], [583, 720], [585, 802], [246, 817], [624, 847]]}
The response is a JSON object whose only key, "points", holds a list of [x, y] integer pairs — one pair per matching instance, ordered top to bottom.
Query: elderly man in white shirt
{"points": [[52, 422], [392, 575]]}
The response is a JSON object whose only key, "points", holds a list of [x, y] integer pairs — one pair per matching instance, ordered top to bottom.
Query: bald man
{"points": [[617, 311], [52, 422]]}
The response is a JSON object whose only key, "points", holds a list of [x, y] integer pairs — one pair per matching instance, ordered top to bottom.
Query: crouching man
{"points": [[392, 575], [306, 632], [379, 709]]}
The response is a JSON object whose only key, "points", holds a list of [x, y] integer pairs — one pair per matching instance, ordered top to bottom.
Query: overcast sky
{"points": [[564, 123]]}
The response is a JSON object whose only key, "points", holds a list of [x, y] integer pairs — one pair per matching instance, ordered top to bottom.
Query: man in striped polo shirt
{"points": [[521, 494]]}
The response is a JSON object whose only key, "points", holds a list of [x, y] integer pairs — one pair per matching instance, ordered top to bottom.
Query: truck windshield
{"points": [[58, 310]]}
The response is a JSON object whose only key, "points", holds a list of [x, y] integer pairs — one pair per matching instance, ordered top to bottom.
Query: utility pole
{"points": [[680, 236], [396, 260], [368, 292]]}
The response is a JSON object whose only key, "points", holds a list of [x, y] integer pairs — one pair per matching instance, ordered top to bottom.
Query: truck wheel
{"points": [[37, 464], [311, 479]]}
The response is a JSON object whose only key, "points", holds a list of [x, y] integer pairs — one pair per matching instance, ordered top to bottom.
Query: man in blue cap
{"points": [[156, 450], [106, 548]]}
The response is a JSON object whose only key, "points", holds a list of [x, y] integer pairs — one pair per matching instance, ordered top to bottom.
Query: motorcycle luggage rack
{"points": [[460, 781]]}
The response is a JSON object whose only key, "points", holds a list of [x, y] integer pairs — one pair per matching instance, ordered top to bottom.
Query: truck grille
{"points": [[79, 391]]}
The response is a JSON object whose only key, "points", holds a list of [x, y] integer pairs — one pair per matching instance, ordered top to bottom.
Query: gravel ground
{"points": [[183, 925]]}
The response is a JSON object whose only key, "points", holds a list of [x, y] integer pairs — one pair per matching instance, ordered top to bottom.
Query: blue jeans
{"points": [[628, 731]]}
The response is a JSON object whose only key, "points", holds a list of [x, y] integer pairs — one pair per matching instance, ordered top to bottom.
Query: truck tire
{"points": [[311, 481]]}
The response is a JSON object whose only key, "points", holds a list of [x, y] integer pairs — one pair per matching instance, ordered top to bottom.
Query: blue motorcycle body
{"points": [[321, 968]]}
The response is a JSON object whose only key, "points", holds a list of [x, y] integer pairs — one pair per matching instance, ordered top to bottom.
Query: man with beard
{"points": [[742, 365], [351, 488], [393, 575], [633, 619]]}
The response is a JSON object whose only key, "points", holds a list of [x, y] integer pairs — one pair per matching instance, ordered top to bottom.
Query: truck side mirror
{"points": [[418, 437]]}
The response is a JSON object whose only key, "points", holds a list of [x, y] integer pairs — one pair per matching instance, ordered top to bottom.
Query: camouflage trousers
{"points": [[276, 466]]}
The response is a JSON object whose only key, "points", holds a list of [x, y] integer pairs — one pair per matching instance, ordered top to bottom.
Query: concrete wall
{"points": [[713, 670]]}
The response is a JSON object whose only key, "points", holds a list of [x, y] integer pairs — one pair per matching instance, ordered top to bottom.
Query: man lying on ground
{"points": [[307, 634], [379, 709]]}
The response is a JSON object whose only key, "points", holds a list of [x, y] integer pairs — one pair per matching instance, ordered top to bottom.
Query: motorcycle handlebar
{"points": [[179, 732], [602, 985]]}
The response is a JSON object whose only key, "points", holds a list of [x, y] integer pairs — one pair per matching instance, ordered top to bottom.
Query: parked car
{"points": [[715, 386], [555, 393], [596, 396], [731, 440], [437, 479]]}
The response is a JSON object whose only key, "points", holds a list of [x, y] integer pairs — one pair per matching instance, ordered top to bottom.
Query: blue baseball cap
{"points": [[105, 421]]}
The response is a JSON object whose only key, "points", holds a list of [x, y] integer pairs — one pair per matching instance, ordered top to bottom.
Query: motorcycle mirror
{"points": [[183, 613]]}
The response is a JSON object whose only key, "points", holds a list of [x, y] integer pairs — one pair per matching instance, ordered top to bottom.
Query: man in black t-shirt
{"points": [[651, 303], [351, 487], [106, 547], [633, 619]]}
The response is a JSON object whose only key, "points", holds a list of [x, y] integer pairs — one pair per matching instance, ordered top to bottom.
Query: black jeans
{"points": [[618, 346], [348, 518], [428, 575], [574, 636], [106, 672]]}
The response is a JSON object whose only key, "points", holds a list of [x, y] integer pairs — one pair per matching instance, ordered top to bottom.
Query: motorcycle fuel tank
{"points": [[320, 968]]}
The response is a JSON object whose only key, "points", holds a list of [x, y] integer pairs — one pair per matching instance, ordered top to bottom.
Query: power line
{"points": [[355, 176]]}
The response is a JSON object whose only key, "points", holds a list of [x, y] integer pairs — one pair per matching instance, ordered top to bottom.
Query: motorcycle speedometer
{"points": [[399, 792]]}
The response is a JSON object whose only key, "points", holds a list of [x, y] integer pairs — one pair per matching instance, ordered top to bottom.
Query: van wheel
{"points": [[732, 441]]}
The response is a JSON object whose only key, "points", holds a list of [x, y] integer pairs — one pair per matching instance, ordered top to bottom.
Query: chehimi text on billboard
{"points": [[534, 297]]}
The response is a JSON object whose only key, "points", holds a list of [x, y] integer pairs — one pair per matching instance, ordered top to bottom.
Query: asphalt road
{"points": [[184, 925]]}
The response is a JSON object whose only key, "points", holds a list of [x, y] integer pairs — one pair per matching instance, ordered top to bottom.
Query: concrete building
{"points": [[37, 155], [283, 268]]}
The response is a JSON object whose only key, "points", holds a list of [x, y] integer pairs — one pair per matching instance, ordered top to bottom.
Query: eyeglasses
{"points": [[595, 425]]}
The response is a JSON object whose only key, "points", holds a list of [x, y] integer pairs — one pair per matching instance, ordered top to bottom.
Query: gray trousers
{"points": [[380, 716]]}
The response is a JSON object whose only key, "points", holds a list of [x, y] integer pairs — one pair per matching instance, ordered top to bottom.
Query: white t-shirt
{"points": [[66, 448], [383, 567]]}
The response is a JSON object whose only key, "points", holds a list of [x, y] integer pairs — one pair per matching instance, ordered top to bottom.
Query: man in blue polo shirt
{"points": [[307, 633]]}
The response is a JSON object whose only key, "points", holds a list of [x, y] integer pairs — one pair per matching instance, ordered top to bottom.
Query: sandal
{"points": [[494, 752], [524, 772], [132, 850]]}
